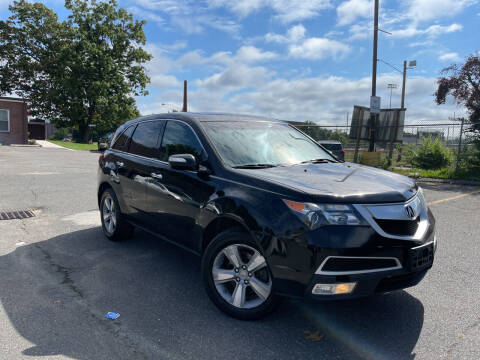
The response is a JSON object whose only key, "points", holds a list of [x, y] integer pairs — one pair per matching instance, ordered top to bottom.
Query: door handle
{"points": [[120, 164], [157, 176]]}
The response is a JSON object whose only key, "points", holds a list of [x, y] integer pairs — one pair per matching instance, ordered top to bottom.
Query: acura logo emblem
{"points": [[409, 211]]}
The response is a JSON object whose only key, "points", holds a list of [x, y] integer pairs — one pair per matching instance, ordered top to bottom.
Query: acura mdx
{"points": [[270, 211]]}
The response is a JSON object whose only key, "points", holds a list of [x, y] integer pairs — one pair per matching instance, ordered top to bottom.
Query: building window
{"points": [[4, 121]]}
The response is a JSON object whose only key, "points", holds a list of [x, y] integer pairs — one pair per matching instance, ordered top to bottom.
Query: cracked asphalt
{"points": [[59, 277]]}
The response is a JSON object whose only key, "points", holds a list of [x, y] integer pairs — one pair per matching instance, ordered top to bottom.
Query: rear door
{"points": [[143, 147], [120, 169]]}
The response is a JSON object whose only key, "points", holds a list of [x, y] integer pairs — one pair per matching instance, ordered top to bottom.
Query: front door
{"points": [[175, 196]]}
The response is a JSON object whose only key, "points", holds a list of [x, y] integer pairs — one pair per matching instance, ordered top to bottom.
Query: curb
{"points": [[25, 145], [448, 181]]}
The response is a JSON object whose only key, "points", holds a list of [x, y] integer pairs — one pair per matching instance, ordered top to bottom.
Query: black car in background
{"points": [[104, 141], [335, 147], [269, 210]]}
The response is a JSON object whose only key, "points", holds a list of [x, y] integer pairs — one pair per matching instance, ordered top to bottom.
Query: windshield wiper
{"points": [[318, 161], [255, 166]]}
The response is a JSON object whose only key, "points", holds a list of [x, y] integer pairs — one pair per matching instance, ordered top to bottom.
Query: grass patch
{"points": [[75, 146], [445, 173]]}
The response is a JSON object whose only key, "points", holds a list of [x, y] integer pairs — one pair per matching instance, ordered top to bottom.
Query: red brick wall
{"points": [[18, 122]]}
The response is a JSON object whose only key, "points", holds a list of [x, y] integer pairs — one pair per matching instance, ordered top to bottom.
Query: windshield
{"points": [[262, 143]]}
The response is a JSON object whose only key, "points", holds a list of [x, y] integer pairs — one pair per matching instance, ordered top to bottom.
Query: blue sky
{"points": [[298, 59]]}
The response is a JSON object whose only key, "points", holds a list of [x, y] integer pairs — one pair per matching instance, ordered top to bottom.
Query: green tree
{"points": [[78, 72], [463, 83]]}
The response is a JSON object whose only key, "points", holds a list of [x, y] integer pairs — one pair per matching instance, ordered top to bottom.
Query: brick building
{"points": [[13, 121]]}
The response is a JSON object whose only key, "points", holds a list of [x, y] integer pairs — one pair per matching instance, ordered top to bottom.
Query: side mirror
{"points": [[183, 162]]}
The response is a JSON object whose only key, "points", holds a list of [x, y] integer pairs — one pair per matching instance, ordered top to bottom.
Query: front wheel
{"points": [[237, 278]]}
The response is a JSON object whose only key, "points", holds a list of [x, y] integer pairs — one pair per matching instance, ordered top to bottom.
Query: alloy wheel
{"points": [[109, 215], [241, 276]]}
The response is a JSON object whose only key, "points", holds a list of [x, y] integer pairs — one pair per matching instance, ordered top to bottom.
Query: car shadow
{"points": [[56, 292]]}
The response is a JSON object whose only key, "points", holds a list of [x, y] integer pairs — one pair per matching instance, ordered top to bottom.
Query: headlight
{"points": [[421, 195], [316, 215]]}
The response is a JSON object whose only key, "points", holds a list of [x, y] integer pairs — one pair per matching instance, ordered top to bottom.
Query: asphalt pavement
{"points": [[59, 276]]}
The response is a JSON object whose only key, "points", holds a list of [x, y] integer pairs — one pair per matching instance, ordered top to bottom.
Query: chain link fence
{"points": [[455, 136]]}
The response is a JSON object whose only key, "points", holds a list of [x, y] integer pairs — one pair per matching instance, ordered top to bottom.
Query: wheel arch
{"points": [[101, 189], [221, 224]]}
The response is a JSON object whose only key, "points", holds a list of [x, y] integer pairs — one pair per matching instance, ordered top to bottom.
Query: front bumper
{"points": [[397, 254], [408, 273]]}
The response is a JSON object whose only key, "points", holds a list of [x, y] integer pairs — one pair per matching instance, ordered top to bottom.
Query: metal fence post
{"points": [[393, 137], [357, 143], [459, 145]]}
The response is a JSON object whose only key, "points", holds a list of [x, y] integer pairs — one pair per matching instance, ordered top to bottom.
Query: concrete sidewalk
{"points": [[48, 144]]}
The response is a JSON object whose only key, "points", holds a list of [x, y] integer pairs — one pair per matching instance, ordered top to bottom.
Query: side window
{"points": [[145, 139], [179, 139], [123, 140]]}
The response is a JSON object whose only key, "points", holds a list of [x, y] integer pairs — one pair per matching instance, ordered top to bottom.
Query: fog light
{"points": [[333, 289]]}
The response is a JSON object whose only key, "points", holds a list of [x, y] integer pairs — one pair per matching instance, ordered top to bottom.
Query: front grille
{"points": [[399, 227], [358, 264]]}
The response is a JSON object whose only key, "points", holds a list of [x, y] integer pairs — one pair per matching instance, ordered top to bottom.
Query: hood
{"points": [[340, 182]]}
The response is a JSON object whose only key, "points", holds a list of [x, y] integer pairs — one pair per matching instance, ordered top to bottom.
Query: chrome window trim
{"points": [[140, 156], [423, 216], [354, 272]]}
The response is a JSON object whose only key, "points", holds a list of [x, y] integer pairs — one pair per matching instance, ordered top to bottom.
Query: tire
{"points": [[114, 227], [254, 289]]}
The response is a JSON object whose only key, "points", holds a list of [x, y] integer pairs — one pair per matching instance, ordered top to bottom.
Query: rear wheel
{"points": [[114, 226], [237, 277]]}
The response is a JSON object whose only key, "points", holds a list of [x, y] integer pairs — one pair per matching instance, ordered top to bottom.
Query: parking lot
{"points": [[59, 277]]}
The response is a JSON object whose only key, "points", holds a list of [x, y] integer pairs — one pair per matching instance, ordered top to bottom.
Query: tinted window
{"points": [[124, 139], [145, 139], [179, 139]]}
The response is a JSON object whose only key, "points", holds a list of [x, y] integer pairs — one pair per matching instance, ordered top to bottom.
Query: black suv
{"points": [[269, 210]]}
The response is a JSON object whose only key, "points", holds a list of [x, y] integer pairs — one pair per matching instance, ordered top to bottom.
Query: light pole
{"points": [[412, 64], [391, 87]]}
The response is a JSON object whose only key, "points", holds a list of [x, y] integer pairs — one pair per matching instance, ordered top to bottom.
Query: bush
{"points": [[60, 134], [432, 153]]}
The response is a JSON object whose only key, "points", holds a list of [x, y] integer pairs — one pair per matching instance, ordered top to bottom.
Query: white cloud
{"points": [[424, 10], [286, 11], [349, 11], [146, 15], [360, 31], [431, 31], [293, 35], [313, 48], [319, 48], [253, 54], [450, 57], [235, 77], [163, 81], [321, 99]]}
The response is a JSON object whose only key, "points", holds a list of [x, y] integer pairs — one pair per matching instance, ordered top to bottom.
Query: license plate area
{"points": [[420, 258]]}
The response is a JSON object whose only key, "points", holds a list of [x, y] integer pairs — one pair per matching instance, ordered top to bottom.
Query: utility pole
{"points": [[403, 83], [184, 109], [372, 120]]}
